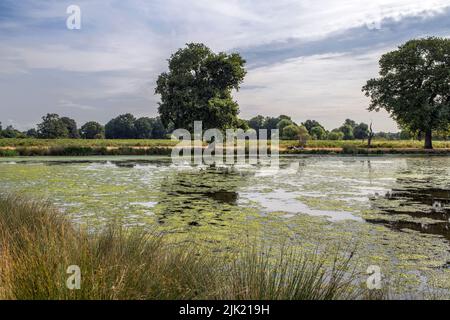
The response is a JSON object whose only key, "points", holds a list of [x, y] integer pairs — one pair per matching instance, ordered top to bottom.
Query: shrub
{"points": [[349, 149], [8, 153]]}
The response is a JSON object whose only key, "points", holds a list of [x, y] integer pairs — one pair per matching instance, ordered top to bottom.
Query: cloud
{"points": [[390, 34], [299, 52], [320, 87], [72, 105]]}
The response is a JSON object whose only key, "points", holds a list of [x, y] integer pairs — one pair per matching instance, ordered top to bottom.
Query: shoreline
{"points": [[136, 147], [30, 151], [116, 262]]}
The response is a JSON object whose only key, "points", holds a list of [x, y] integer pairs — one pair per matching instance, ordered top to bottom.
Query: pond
{"points": [[393, 211]]}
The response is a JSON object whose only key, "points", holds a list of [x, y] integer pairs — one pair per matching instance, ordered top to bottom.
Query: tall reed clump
{"points": [[37, 244]]}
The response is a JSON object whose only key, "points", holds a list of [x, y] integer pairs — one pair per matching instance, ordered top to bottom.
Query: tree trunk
{"points": [[369, 139], [429, 139]]}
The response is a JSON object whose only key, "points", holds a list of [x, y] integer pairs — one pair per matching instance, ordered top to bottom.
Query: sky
{"points": [[305, 58]]}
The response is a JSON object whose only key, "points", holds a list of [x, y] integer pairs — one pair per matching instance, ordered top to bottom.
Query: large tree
{"points": [[414, 86], [198, 87], [257, 122], [271, 123], [284, 123], [309, 124], [71, 126], [52, 127], [122, 127], [144, 128], [92, 130], [347, 130], [159, 131], [361, 131], [11, 132], [290, 132], [318, 133]]}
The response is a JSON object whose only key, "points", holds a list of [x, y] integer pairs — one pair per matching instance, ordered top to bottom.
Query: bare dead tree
{"points": [[371, 135]]}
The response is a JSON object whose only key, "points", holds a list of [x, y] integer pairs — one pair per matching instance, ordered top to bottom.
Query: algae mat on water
{"points": [[394, 210]]}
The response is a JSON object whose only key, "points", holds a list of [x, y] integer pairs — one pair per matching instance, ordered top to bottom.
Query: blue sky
{"points": [[305, 58]]}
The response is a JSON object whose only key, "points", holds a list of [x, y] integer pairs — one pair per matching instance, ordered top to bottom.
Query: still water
{"points": [[391, 211]]}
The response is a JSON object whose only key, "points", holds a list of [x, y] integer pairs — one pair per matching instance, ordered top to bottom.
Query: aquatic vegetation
{"points": [[8, 153], [386, 206], [38, 244]]}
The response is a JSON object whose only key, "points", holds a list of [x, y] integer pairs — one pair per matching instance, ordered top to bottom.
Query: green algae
{"points": [[221, 209]]}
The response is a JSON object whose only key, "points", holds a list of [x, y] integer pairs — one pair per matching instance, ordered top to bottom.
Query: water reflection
{"points": [[199, 196], [310, 199], [415, 199]]}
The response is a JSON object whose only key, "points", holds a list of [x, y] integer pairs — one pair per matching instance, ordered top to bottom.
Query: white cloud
{"points": [[249, 22], [123, 46], [323, 87], [63, 103]]}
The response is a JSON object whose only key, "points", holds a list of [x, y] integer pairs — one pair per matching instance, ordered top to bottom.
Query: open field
{"points": [[80, 147], [38, 244]]}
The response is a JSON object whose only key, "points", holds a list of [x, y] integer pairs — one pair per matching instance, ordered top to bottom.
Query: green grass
{"points": [[49, 143], [85, 143], [375, 144], [80, 147], [37, 244]]}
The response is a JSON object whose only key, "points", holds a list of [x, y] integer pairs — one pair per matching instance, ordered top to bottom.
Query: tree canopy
{"points": [[414, 86], [198, 87], [284, 123], [309, 124], [71, 126], [126, 126], [52, 127], [121, 127], [144, 128], [92, 130], [347, 130], [361, 131], [290, 132], [318, 133]]}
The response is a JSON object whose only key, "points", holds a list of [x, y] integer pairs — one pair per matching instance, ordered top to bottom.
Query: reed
{"points": [[37, 244]]}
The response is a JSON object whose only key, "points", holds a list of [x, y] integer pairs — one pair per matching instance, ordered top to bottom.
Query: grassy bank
{"points": [[95, 143], [118, 143], [376, 144], [80, 147], [83, 151], [37, 244]]}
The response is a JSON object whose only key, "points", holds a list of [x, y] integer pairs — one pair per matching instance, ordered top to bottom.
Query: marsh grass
{"points": [[94, 143], [167, 143], [377, 143], [135, 147], [37, 244], [291, 275]]}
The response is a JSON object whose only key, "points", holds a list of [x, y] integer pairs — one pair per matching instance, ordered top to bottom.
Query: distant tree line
{"points": [[125, 126], [312, 129]]}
